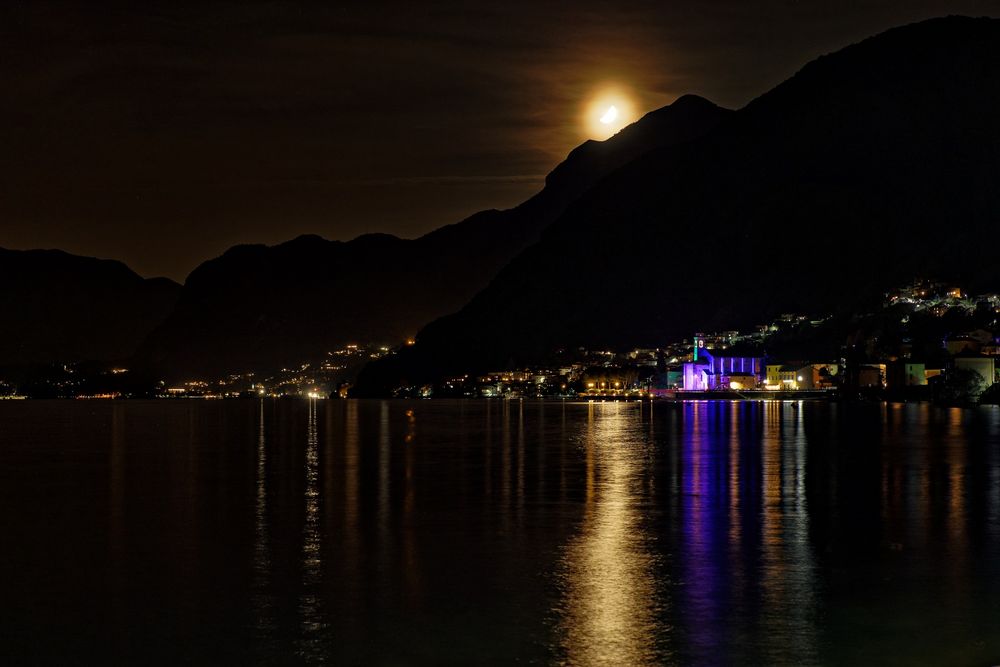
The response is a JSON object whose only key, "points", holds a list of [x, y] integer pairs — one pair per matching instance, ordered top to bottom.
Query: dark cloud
{"points": [[164, 134]]}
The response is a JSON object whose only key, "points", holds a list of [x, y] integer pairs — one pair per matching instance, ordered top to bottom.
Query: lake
{"points": [[498, 532]]}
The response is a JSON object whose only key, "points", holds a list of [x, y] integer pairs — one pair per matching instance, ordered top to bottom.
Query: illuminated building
{"points": [[721, 369], [906, 373], [782, 376], [819, 376], [787, 377], [611, 381]]}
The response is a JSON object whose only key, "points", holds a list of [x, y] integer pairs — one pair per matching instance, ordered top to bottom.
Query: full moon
{"points": [[610, 115]]}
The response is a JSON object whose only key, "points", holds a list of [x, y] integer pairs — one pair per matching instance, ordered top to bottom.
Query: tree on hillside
{"points": [[961, 386]]}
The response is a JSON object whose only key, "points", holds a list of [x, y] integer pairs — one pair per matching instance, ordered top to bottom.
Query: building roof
{"points": [[740, 350], [967, 354]]}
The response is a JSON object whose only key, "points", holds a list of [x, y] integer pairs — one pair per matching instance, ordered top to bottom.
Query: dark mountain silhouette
{"points": [[868, 167], [259, 307], [60, 308]]}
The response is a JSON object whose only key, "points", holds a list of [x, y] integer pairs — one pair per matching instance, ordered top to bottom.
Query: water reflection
{"points": [[384, 467], [344, 486], [499, 532], [703, 536], [117, 547], [411, 554], [713, 561], [788, 567], [610, 602], [310, 603], [263, 608]]}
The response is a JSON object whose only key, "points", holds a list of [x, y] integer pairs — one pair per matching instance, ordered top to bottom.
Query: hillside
{"points": [[868, 167], [259, 307], [60, 308]]}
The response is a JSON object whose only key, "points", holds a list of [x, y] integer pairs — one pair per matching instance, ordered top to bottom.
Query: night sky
{"points": [[161, 136]]}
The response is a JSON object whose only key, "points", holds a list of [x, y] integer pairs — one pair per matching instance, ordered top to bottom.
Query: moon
{"points": [[606, 109]]}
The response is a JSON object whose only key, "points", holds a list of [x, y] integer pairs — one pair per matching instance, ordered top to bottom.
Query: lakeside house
{"points": [[796, 376]]}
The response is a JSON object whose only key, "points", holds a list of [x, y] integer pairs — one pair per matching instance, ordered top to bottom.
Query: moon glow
{"points": [[607, 109]]}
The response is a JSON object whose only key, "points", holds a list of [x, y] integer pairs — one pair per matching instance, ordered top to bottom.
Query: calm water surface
{"points": [[346, 532]]}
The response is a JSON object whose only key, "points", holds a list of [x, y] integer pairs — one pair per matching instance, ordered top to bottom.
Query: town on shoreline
{"points": [[927, 341]]}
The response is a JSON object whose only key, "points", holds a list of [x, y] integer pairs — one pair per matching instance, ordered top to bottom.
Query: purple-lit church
{"points": [[721, 369]]}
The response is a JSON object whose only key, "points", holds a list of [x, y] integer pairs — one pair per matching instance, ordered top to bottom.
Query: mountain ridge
{"points": [[828, 188], [269, 306], [62, 308]]}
